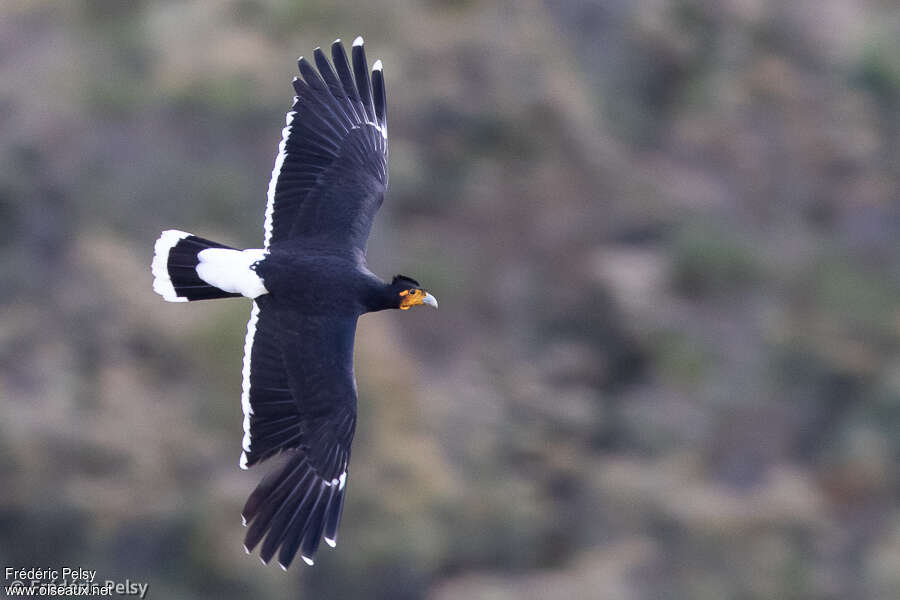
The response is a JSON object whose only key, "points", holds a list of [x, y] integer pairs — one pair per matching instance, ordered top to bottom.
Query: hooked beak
{"points": [[430, 300]]}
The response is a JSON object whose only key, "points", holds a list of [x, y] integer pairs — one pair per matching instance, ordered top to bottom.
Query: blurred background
{"points": [[664, 236]]}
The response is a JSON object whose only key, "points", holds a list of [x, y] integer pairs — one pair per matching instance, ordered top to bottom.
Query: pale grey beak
{"points": [[430, 300]]}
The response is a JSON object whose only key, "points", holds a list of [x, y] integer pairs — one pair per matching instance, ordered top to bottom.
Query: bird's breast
{"points": [[315, 284]]}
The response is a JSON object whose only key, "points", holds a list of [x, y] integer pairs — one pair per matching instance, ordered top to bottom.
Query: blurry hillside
{"points": [[664, 235]]}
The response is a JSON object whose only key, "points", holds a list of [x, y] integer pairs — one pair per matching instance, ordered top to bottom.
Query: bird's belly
{"points": [[311, 285]]}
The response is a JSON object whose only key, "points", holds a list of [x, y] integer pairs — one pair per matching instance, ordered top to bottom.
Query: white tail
{"points": [[187, 267]]}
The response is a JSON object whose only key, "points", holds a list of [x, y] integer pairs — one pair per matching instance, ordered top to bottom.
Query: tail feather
{"points": [[174, 268], [181, 273]]}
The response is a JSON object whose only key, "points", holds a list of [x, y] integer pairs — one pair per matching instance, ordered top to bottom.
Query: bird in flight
{"points": [[309, 285]]}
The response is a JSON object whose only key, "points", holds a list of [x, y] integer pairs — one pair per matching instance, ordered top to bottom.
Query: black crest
{"points": [[403, 279]]}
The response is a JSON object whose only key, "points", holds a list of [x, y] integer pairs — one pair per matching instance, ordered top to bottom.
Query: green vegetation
{"points": [[711, 263]]}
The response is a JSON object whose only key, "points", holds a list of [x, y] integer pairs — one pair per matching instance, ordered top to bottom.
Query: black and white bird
{"points": [[309, 284]]}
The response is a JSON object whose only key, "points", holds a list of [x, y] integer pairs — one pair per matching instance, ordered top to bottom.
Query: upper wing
{"points": [[335, 137], [299, 398]]}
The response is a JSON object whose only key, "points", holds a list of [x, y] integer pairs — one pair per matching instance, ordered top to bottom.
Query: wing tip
{"points": [[358, 41], [377, 66], [331, 542]]}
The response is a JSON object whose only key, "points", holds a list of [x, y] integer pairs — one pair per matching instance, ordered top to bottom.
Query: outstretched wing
{"points": [[331, 170], [299, 398]]}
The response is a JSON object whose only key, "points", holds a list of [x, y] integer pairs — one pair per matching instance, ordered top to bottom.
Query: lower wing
{"points": [[299, 399]]}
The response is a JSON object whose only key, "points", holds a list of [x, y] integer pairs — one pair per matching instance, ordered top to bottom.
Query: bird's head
{"points": [[407, 292]]}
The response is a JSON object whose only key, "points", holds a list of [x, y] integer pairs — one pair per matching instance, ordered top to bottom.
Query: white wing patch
{"points": [[276, 173], [245, 386]]}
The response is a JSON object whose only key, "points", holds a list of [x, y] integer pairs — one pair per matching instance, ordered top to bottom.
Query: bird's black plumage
{"points": [[334, 145], [310, 284]]}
